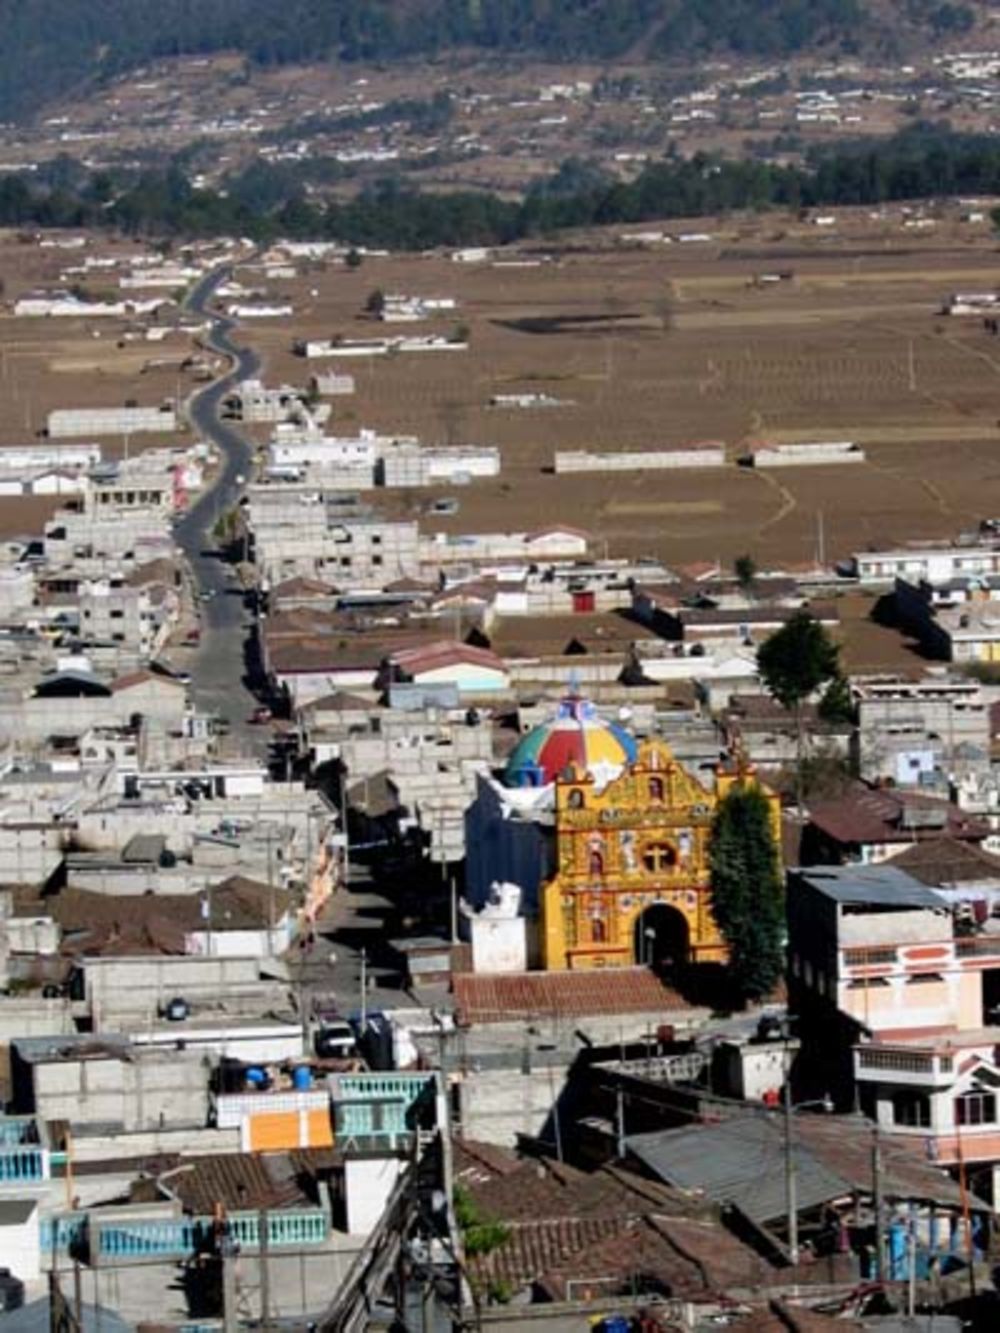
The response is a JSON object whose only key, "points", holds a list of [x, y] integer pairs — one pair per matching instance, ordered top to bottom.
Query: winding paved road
{"points": [[218, 672]]}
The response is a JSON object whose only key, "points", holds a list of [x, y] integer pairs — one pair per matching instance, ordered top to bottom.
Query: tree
{"points": [[797, 659], [794, 663], [837, 703], [747, 891]]}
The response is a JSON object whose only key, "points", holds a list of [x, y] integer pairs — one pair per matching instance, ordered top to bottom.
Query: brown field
{"points": [[684, 348], [47, 363]]}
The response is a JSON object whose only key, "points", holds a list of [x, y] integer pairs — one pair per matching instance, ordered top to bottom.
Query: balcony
{"points": [[978, 946], [874, 956], [902, 1065], [381, 1111], [17, 1130], [23, 1166], [62, 1237], [177, 1238]]}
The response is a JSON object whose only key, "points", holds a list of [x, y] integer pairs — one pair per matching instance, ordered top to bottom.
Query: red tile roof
{"points": [[429, 657], [143, 677], [865, 815], [948, 861], [515, 995], [235, 1181]]}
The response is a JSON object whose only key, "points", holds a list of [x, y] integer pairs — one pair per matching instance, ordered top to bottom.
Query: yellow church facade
{"points": [[632, 884]]}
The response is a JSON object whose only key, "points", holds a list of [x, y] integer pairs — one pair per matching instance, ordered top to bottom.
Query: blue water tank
{"points": [[256, 1077], [302, 1078], [615, 1323]]}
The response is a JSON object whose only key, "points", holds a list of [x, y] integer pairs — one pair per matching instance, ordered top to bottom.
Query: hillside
{"points": [[55, 47]]}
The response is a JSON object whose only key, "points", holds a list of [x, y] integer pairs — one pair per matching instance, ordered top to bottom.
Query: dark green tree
{"points": [[795, 662], [837, 703], [747, 891]]}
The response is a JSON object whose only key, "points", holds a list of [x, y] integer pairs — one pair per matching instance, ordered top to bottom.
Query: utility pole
{"points": [[343, 823], [364, 988], [620, 1125], [963, 1185], [791, 1192], [877, 1202], [265, 1275], [911, 1286], [230, 1321]]}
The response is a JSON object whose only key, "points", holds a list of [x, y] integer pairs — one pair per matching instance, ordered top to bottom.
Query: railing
{"points": [[977, 944], [865, 957], [897, 1062], [366, 1087], [232, 1107], [378, 1109], [366, 1119], [16, 1130], [23, 1164], [298, 1226], [63, 1235], [179, 1237]]}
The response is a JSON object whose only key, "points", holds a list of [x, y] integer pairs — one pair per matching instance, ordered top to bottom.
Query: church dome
{"points": [[576, 735]]}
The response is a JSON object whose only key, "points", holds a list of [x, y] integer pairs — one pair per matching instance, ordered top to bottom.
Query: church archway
{"points": [[662, 939]]}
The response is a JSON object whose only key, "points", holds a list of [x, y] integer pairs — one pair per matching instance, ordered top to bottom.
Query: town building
{"points": [[607, 840], [906, 1002]]}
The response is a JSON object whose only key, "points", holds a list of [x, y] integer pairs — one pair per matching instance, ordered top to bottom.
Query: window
{"points": [[376, 560], [117, 615], [656, 790], [575, 801], [596, 863], [598, 931], [921, 978], [866, 983], [976, 1108], [912, 1109]]}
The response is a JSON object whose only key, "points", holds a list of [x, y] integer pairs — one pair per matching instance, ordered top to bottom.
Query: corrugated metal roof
{"points": [[876, 886], [738, 1162]]}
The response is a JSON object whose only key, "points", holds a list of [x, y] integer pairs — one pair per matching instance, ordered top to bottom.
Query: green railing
{"points": [[363, 1087], [378, 1109], [16, 1130], [26, 1164], [63, 1235], [179, 1237]]}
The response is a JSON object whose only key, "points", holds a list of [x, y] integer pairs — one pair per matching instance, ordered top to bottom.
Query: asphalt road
{"points": [[218, 671]]}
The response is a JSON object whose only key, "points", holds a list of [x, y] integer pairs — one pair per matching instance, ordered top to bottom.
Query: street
{"points": [[218, 684], [354, 921]]}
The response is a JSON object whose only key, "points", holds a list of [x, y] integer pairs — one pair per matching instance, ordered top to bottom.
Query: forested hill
{"points": [[51, 47]]}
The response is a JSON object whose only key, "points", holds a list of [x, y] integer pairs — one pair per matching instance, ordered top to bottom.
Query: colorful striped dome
{"points": [[576, 735]]}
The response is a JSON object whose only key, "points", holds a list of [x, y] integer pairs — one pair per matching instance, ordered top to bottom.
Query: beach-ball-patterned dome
{"points": [[576, 735]]}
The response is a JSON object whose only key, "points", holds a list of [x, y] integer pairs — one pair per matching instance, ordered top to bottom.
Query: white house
{"points": [[20, 1238]]}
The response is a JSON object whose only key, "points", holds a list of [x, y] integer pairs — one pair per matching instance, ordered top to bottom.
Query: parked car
{"points": [[335, 1041]]}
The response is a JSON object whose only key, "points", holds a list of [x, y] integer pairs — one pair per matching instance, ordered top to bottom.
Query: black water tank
{"points": [[177, 1010], [11, 1290]]}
